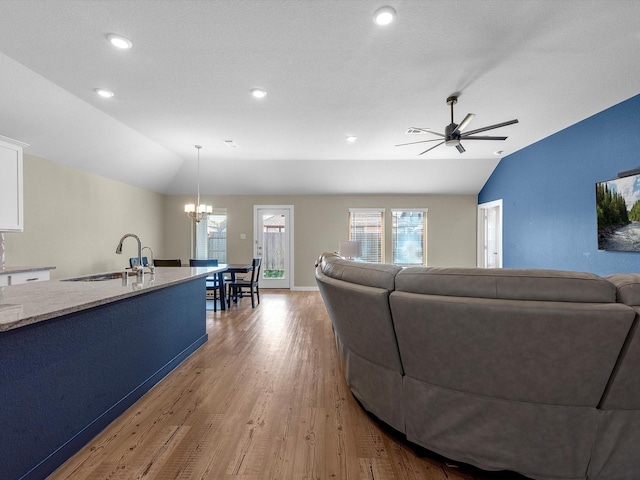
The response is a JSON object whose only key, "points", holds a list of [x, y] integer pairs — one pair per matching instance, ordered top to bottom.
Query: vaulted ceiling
{"points": [[329, 72]]}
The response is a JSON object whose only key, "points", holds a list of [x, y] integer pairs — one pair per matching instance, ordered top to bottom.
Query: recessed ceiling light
{"points": [[384, 16], [119, 41], [103, 92], [258, 93], [351, 138]]}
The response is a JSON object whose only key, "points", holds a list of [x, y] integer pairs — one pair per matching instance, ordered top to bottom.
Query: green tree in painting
{"points": [[611, 207], [634, 213]]}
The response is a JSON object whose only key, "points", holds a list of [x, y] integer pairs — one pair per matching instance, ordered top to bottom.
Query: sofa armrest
{"points": [[627, 287]]}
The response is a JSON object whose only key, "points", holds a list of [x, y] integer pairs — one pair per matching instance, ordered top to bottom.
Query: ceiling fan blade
{"points": [[463, 124], [490, 127], [427, 131], [485, 137], [413, 143], [431, 148], [460, 148]]}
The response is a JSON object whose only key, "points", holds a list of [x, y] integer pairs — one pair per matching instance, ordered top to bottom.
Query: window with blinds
{"points": [[367, 227], [408, 236], [211, 237]]}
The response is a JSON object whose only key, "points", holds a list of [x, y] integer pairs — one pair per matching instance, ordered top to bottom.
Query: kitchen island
{"points": [[74, 355]]}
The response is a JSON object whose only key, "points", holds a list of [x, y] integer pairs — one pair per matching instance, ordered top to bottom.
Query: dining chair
{"points": [[133, 262], [167, 263], [212, 284], [237, 287]]}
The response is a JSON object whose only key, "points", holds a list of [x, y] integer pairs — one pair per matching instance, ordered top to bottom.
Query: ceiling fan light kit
{"points": [[453, 135]]}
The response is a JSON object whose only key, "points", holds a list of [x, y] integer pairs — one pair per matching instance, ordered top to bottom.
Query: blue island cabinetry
{"points": [[62, 380]]}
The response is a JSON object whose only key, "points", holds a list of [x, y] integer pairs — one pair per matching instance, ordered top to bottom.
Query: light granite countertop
{"points": [[11, 270], [26, 304]]}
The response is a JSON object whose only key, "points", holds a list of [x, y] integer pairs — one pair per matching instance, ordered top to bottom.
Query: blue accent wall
{"points": [[548, 193]]}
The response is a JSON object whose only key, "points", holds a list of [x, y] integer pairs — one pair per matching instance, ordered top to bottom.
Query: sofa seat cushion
{"points": [[508, 284]]}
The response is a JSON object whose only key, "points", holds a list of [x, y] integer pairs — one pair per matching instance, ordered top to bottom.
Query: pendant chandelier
{"points": [[198, 211]]}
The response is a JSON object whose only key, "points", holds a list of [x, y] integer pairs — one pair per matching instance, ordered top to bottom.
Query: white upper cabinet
{"points": [[11, 215]]}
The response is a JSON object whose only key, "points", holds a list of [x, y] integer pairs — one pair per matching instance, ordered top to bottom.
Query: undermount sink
{"points": [[100, 277]]}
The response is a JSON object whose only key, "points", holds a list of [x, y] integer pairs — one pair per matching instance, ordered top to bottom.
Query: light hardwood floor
{"points": [[264, 398]]}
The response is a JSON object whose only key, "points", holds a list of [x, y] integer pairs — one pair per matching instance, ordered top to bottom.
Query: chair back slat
{"points": [[133, 262], [209, 262], [167, 263], [255, 273], [212, 284], [236, 287]]}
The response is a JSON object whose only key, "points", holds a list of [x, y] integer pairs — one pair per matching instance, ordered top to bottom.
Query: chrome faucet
{"points": [[151, 264], [139, 268]]}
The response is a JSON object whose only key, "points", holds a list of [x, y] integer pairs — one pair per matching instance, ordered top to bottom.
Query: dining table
{"points": [[233, 269]]}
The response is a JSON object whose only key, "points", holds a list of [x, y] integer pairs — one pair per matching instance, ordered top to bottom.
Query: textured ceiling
{"points": [[329, 72]]}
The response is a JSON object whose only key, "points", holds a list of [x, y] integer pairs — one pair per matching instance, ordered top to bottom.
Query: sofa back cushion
{"points": [[379, 275], [508, 284], [356, 295], [546, 336], [558, 353], [623, 392]]}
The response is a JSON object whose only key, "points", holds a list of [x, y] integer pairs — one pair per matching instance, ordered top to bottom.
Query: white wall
{"points": [[74, 220], [321, 221]]}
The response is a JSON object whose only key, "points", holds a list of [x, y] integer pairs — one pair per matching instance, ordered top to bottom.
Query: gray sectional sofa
{"points": [[534, 371]]}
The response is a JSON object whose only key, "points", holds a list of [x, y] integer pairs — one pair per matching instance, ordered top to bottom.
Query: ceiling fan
{"points": [[453, 132]]}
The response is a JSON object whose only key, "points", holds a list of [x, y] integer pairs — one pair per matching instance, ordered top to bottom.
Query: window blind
{"points": [[367, 227], [408, 236]]}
